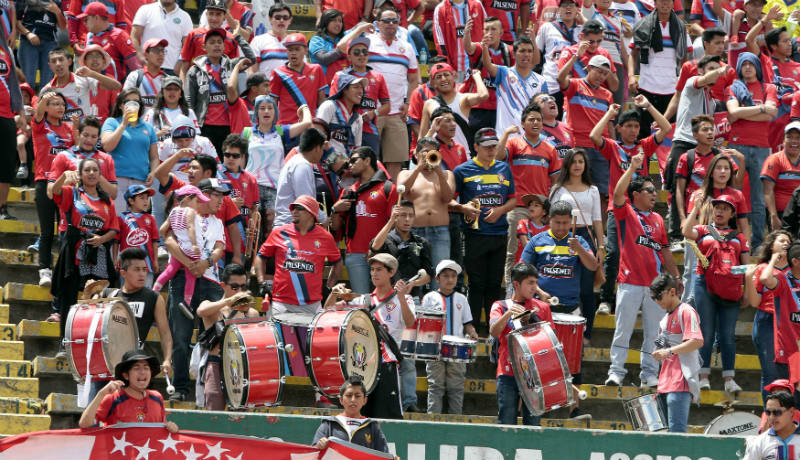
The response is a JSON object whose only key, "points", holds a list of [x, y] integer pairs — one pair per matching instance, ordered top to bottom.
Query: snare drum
{"points": [[293, 330], [569, 330], [97, 334], [423, 340], [342, 343], [458, 350], [252, 365], [540, 368], [646, 413], [734, 424]]}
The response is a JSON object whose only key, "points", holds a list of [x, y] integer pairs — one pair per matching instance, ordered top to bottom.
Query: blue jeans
{"points": [[415, 34], [33, 58], [754, 161], [599, 169], [439, 238], [610, 262], [358, 272], [689, 275], [716, 318], [182, 328], [764, 340], [408, 382], [507, 401], [677, 405]]}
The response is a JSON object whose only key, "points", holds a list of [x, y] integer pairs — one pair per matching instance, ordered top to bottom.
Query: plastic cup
{"points": [[134, 106]]}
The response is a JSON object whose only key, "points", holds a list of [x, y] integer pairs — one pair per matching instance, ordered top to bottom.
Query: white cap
{"points": [[599, 60], [793, 125], [447, 263]]}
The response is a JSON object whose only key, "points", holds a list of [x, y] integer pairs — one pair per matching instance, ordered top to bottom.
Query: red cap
{"points": [[94, 9], [295, 39], [154, 42], [441, 67], [727, 199], [308, 203], [780, 384]]}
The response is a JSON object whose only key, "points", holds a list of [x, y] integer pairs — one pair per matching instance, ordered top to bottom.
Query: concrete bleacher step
{"points": [[21, 258], [602, 355], [19, 387], [21, 406], [23, 423]]}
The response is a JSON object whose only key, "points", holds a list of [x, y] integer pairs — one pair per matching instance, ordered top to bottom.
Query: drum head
{"points": [[563, 318], [293, 319], [119, 326], [359, 340], [458, 340], [234, 367], [525, 372], [734, 424]]}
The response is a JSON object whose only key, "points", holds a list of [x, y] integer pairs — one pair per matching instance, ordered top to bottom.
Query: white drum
{"points": [[737, 423]]}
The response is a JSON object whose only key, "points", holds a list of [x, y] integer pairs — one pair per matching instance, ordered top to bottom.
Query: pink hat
{"points": [[154, 42], [92, 48], [192, 190], [308, 203]]}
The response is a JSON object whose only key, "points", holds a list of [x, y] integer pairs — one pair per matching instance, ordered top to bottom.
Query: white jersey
{"points": [[158, 23], [552, 38], [270, 52], [395, 60], [78, 92], [514, 93], [201, 146], [455, 307], [390, 314], [769, 446]]}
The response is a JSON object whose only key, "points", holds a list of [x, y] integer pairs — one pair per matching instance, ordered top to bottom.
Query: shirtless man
{"points": [[443, 81], [430, 189], [233, 304]]}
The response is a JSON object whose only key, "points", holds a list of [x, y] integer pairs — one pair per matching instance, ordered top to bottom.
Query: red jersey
{"points": [[403, 7], [352, 10], [507, 11], [702, 11], [449, 21], [77, 27], [117, 43], [193, 45], [504, 55], [6, 65], [579, 68], [689, 70], [785, 75], [293, 89], [421, 94], [375, 95], [102, 102], [585, 106], [218, 113], [751, 133], [559, 136], [48, 141], [452, 155], [619, 158], [68, 160], [533, 166], [784, 174], [694, 178], [242, 185], [742, 206], [373, 209], [88, 214], [526, 227], [138, 230], [641, 237], [706, 242], [299, 261], [767, 303], [542, 311], [787, 316], [685, 321], [119, 407]]}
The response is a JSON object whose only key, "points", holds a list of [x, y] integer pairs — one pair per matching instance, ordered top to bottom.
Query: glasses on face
{"points": [[281, 17], [390, 21], [360, 52], [232, 155], [354, 160], [650, 189], [236, 286], [775, 412]]}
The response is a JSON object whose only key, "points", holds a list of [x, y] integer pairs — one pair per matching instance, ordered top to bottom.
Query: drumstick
{"points": [[400, 190], [575, 214], [419, 275], [170, 388], [581, 394]]}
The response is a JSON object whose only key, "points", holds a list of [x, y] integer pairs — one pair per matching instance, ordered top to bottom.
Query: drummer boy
{"points": [[524, 277], [446, 376]]}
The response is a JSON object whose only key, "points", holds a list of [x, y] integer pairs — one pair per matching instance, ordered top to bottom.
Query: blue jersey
{"points": [[492, 187], [559, 270]]}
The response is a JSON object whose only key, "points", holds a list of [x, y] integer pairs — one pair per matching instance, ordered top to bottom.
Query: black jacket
{"points": [[791, 215], [369, 434]]}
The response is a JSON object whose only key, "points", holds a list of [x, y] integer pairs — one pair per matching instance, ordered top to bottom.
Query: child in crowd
{"points": [[24, 142], [538, 207], [182, 221], [138, 228], [442, 375], [128, 398], [350, 425]]}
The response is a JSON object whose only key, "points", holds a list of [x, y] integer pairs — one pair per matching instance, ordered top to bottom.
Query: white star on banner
{"points": [[170, 443], [120, 444], [144, 451], [216, 451], [191, 454], [235, 458]]}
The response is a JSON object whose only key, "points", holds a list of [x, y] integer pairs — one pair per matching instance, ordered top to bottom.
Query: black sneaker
{"points": [[4, 215], [187, 312], [177, 396], [413, 408], [578, 414]]}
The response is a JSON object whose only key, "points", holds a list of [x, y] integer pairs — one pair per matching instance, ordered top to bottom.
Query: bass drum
{"points": [[342, 343], [252, 365], [734, 424]]}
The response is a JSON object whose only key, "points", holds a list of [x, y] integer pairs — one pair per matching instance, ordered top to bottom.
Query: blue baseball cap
{"points": [[345, 80], [138, 189]]}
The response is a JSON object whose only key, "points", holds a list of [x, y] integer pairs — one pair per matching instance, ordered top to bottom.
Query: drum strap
{"points": [[87, 384]]}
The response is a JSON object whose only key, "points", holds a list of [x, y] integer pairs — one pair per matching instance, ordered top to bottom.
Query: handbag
{"points": [[599, 274]]}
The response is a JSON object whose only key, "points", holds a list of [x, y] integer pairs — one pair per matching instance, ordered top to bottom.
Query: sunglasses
{"points": [[281, 17], [390, 21], [360, 52], [184, 132], [232, 155], [354, 160], [649, 189], [236, 287], [776, 412]]}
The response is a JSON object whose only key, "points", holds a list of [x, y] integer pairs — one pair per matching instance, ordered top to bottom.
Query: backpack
{"points": [[670, 178], [720, 280], [494, 344]]}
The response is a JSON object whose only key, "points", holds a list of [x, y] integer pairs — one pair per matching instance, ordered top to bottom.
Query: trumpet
{"points": [[433, 158], [475, 221], [252, 235]]}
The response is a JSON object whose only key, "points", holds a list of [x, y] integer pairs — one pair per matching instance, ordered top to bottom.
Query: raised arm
{"points": [[597, 131], [625, 180]]}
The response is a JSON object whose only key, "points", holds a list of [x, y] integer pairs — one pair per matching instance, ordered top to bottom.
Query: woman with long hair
{"points": [[322, 47], [170, 103], [131, 141], [719, 180], [574, 185], [92, 225], [717, 315]]}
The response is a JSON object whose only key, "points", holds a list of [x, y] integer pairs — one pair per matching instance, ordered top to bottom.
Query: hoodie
{"points": [[739, 87], [368, 435]]}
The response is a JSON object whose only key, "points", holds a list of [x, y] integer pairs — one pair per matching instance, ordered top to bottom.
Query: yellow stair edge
{"points": [[22, 195], [19, 226], [21, 257], [5, 311], [743, 328], [34, 329], [12, 350], [602, 355], [15, 368], [20, 387], [14, 405], [18, 424]]}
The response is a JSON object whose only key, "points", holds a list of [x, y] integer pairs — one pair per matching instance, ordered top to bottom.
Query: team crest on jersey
{"points": [[177, 20], [311, 77], [512, 79], [500, 178], [373, 194], [137, 237], [317, 244], [458, 305]]}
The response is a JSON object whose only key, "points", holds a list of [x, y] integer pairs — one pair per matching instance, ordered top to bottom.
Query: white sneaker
{"points": [[676, 246], [162, 252], [45, 277], [604, 308], [614, 380], [649, 382], [705, 384], [732, 387]]}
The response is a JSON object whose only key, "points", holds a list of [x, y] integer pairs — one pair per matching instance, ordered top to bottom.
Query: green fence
{"points": [[451, 441]]}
